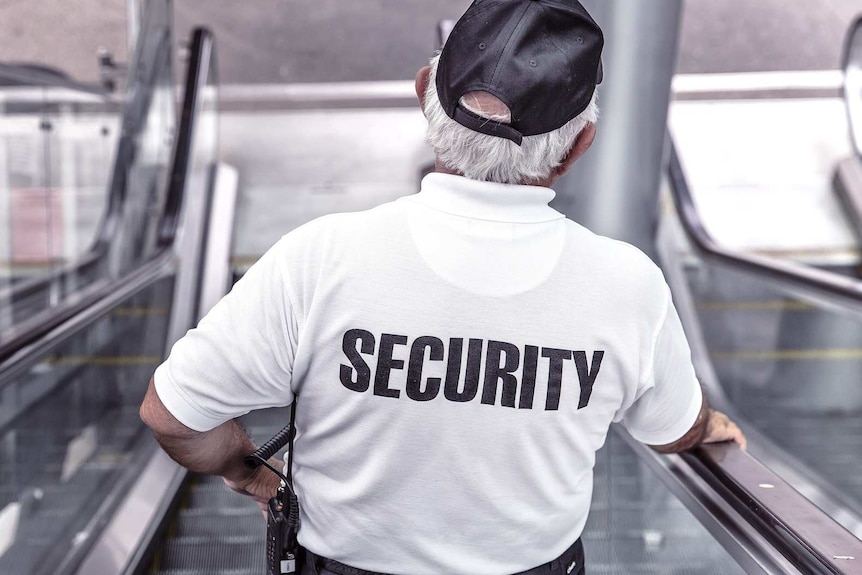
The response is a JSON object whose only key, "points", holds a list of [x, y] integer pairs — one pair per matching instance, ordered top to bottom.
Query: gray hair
{"points": [[489, 158]]}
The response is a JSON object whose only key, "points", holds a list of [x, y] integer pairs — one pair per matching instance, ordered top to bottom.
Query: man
{"points": [[458, 354]]}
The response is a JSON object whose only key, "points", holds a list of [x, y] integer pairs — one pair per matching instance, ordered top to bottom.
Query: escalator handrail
{"points": [[200, 63], [852, 66], [143, 75], [28, 287], [831, 288], [81, 310], [809, 538]]}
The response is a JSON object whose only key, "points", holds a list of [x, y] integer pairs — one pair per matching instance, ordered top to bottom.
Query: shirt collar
{"points": [[486, 200]]}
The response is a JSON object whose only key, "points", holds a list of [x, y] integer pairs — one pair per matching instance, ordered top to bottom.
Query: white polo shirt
{"points": [[458, 356]]}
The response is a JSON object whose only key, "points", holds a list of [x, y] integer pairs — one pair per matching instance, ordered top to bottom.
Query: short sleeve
{"points": [[239, 357], [669, 398]]}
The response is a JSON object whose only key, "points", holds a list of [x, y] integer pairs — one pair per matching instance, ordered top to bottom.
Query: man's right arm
{"points": [[710, 427]]}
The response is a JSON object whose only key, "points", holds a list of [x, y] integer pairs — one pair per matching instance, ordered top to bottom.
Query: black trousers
{"points": [[571, 562]]}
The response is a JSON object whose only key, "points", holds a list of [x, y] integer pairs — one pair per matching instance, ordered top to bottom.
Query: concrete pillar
{"points": [[613, 189]]}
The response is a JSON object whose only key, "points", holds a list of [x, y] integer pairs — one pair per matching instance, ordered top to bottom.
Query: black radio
{"points": [[283, 553]]}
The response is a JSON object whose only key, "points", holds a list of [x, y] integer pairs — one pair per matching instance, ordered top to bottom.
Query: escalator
{"points": [[778, 343], [782, 348], [71, 442], [88, 491]]}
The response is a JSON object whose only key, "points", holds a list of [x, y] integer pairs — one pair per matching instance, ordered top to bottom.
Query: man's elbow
{"points": [[146, 410], [156, 416], [693, 436], [690, 440]]}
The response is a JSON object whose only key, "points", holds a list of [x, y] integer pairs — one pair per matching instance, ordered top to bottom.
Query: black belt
{"points": [[571, 562]]}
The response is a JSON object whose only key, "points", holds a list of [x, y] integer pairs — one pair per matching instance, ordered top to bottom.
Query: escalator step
{"points": [[617, 488], [215, 497], [625, 522], [229, 523], [630, 554], [214, 556], [22, 560], [206, 571]]}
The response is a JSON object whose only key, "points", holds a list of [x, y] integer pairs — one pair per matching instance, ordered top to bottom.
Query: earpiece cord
{"points": [[268, 449], [274, 470]]}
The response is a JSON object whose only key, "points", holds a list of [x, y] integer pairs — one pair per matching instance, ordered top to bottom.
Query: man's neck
{"points": [[444, 169]]}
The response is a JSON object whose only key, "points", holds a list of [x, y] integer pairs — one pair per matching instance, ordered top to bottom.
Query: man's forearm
{"points": [[219, 451]]}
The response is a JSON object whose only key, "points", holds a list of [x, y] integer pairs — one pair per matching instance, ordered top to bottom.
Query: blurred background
{"points": [[271, 41]]}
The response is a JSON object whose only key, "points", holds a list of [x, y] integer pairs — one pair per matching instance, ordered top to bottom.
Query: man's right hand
{"points": [[720, 428]]}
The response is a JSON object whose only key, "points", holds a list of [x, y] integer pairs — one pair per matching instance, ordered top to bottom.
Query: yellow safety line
{"points": [[41, 265], [753, 305], [135, 311], [836, 353], [96, 360], [113, 458]]}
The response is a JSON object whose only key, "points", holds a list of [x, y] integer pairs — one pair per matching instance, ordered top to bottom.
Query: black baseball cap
{"points": [[542, 58]]}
